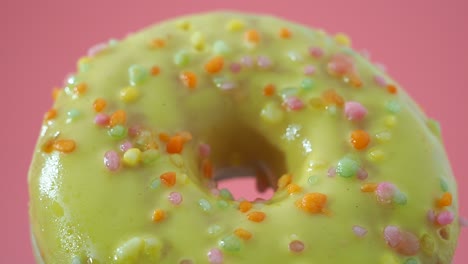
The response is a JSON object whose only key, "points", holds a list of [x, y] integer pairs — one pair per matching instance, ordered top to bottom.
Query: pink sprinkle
{"points": [[94, 50], [316, 52], [247, 61], [263, 62], [341, 65], [235, 67], [309, 70], [380, 81], [227, 86], [294, 103], [355, 111], [101, 119], [134, 131], [126, 146], [204, 150], [112, 160], [331, 172], [362, 174], [385, 192], [175, 198], [431, 216], [445, 218], [463, 222], [359, 231], [392, 235], [403, 242], [296, 246], [215, 256]]}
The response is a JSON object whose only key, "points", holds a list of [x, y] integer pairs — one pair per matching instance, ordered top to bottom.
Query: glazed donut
{"points": [[128, 159]]}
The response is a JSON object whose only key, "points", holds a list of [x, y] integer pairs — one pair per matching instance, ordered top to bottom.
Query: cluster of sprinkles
{"points": [[136, 145]]}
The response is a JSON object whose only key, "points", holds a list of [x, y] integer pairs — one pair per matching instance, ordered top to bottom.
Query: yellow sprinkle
{"points": [[184, 25], [235, 25], [343, 39], [198, 41], [129, 94], [272, 113], [390, 121], [375, 155], [132, 157], [177, 160]]}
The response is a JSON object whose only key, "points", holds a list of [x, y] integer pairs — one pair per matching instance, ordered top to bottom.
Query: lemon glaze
{"points": [[125, 166]]}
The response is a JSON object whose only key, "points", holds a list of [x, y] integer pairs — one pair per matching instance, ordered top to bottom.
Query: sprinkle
{"points": [[285, 33], [252, 36], [342, 39], [198, 41], [157, 43], [221, 48], [316, 52], [182, 58], [247, 61], [264, 62], [214, 65], [235, 67], [155, 70], [309, 70], [137, 74], [189, 79], [380, 81], [307, 84], [227, 86], [80, 88], [392, 89], [288, 92], [55, 93], [129, 94], [330, 96], [293, 103], [99, 105], [393, 106], [355, 111], [272, 113], [51, 114], [72, 114], [119, 117], [101, 119], [390, 121], [117, 132], [383, 136], [359, 139], [175, 144], [64, 145], [126, 146], [375, 155], [149, 156], [132, 157], [112, 160], [347, 167], [207, 168], [331, 172], [362, 174], [168, 178], [284, 180], [312, 180], [155, 183], [443, 185], [369, 187], [293, 188], [385, 192], [226, 194], [175, 198], [400, 198], [445, 200], [312, 203], [222, 204], [205, 205], [245, 206], [158, 215], [256, 216], [445, 218], [214, 230], [359, 231], [444, 233], [243, 234], [402, 242], [230, 243], [428, 244], [296, 246], [215, 256], [412, 261]]}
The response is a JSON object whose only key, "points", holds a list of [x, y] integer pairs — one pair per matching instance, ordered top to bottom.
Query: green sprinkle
{"points": [[221, 48], [182, 58], [137, 74], [307, 84], [288, 92], [393, 106], [73, 114], [434, 126], [118, 132], [149, 156], [347, 167], [312, 180], [155, 183], [444, 185], [225, 194], [399, 198], [222, 204], [205, 205], [214, 230], [230, 243], [412, 261]]}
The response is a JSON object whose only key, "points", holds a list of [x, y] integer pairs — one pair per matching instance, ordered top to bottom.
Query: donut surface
{"points": [[126, 164]]}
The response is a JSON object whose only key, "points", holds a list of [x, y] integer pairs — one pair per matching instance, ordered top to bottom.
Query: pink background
{"points": [[424, 44]]}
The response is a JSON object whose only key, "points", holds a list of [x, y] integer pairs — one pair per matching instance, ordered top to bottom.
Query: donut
{"points": [[129, 157]]}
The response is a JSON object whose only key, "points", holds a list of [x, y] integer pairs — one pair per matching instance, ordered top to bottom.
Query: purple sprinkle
{"points": [[94, 50], [316, 52], [247, 61], [263, 62], [235, 67], [309, 70], [380, 81], [227, 86], [294, 103], [355, 111], [101, 119], [126, 146], [204, 150], [112, 160], [332, 172], [362, 174], [175, 198], [445, 218], [359, 231], [296, 246], [215, 256]]}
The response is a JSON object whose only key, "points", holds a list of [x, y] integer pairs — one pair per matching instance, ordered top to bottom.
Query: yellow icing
{"points": [[80, 211]]}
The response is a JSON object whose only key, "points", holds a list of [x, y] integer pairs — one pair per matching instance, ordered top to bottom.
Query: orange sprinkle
{"points": [[285, 33], [252, 36], [158, 43], [214, 65], [155, 70], [189, 79], [355, 81], [80, 88], [392, 89], [269, 90], [55, 93], [331, 97], [99, 105], [51, 114], [119, 117], [164, 137], [359, 139], [175, 144], [64, 145], [48, 147], [207, 168], [168, 178], [284, 180], [369, 187], [293, 188], [445, 200], [312, 202], [245, 206], [158, 215], [256, 216], [243, 234]]}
